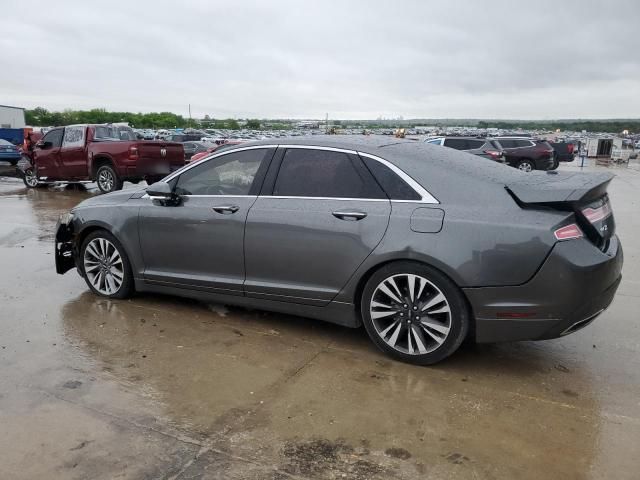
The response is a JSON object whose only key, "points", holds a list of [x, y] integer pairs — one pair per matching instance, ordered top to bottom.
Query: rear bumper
{"points": [[10, 156], [544, 163], [151, 168], [574, 285]]}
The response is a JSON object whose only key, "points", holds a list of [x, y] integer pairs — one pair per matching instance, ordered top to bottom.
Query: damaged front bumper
{"points": [[64, 244]]}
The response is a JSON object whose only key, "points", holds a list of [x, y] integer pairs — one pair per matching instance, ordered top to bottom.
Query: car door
{"points": [[47, 155], [73, 157], [315, 222], [197, 242]]}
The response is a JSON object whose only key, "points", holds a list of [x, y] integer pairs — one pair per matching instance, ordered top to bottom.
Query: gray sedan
{"points": [[422, 246]]}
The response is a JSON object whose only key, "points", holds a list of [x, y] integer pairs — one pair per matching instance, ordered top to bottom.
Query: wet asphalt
{"points": [[164, 388]]}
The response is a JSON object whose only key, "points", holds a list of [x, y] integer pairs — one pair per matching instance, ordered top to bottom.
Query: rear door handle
{"points": [[226, 209], [350, 216]]}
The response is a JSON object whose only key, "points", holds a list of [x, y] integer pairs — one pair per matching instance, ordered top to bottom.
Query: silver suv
{"points": [[483, 147]]}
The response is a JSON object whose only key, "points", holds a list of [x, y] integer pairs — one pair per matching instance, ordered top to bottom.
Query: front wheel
{"points": [[525, 165], [30, 178], [107, 179], [105, 266], [414, 313]]}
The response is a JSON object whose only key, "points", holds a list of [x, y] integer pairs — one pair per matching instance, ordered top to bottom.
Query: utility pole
{"points": [[190, 116], [326, 123]]}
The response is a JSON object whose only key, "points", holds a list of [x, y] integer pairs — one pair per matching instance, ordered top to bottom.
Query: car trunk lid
{"points": [[584, 194]]}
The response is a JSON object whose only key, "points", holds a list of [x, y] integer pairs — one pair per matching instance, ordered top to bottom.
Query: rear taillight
{"points": [[570, 148], [133, 153], [493, 153], [597, 214], [568, 232]]}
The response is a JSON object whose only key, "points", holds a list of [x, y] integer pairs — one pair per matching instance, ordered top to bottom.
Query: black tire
{"points": [[555, 164], [526, 165], [107, 179], [127, 287], [458, 312]]}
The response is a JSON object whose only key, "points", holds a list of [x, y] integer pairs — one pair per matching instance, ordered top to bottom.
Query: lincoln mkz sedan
{"points": [[425, 246]]}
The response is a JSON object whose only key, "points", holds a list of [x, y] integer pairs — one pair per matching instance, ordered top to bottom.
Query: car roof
{"points": [[446, 173]]}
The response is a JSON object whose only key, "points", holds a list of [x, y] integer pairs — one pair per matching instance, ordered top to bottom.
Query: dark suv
{"points": [[483, 147], [527, 154]]}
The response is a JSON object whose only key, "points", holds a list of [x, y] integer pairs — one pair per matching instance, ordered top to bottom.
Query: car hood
{"points": [[113, 198]]}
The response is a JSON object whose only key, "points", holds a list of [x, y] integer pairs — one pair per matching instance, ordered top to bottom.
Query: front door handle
{"points": [[226, 209], [350, 216]]}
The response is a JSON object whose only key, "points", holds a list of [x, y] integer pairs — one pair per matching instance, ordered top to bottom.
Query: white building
{"points": [[11, 117]]}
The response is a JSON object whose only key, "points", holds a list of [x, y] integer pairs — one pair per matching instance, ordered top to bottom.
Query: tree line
{"points": [[41, 117]]}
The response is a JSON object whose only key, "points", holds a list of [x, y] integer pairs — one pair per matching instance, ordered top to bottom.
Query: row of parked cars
{"points": [[524, 153]]}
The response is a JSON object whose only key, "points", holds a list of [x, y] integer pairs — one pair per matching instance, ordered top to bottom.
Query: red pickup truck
{"points": [[106, 154]]}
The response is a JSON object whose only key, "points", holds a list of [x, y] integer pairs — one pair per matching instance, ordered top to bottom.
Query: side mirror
{"points": [[43, 145], [160, 191]]}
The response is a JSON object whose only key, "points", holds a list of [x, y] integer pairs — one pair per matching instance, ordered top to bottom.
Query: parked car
{"points": [[184, 137], [482, 147], [191, 148], [212, 149], [9, 152], [562, 152], [106, 154], [527, 154], [423, 253]]}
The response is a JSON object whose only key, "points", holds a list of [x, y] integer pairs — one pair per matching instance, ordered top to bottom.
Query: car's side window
{"points": [[54, 137], [73, 137], [457, 143], [507, 143], [473, 144], [323, 173], [231, 174], [395, 187]]}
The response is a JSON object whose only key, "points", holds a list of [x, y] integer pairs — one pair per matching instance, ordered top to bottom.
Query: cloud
{"points": [[356, 59]]}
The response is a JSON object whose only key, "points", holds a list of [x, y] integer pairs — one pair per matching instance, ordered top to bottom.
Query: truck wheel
{"points": [[555, 164], [30, 178], [107, 179]]}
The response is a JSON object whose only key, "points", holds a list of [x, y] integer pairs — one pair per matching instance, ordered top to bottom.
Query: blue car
{"points": [[9, 152]]}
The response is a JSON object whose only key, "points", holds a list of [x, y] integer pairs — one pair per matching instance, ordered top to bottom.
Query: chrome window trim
{"points": [[220, 196], [425, 196], [291, 197]]}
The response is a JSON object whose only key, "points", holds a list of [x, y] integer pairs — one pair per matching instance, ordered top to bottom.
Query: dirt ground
{"points": [[164, 388]]}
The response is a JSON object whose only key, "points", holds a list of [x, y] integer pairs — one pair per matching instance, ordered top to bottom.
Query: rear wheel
{"points": [[525, 165], [107, 179], [105, 266], [414, 313]]}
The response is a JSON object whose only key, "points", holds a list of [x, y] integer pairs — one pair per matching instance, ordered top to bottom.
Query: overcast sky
{"points": [[302, 59]]}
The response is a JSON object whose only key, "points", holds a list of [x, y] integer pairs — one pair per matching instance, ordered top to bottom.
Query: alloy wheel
{"points": [[525, 167], [30, 178], [106, 180], [103, 266], [410, 314]]}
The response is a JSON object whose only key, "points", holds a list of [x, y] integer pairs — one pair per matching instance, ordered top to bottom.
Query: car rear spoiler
{"points": [[559, 187]]}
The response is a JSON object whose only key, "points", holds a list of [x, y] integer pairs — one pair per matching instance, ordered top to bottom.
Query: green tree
{"points": [[253, 124]]}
